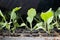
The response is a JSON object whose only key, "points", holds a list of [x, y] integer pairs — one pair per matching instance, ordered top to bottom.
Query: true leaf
{"points": [[57, 13], [1, 14], [13, 14], [31, 14], [46, 15], [29, 19], [49, 20], [2, 24], [23, 24], [8, 26], [38, 26]]}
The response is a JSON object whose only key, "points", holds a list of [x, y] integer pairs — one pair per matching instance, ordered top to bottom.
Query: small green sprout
{"points": [[47, 17]]}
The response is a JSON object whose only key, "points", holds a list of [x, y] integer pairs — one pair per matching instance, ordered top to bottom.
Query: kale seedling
{"points": [[30, 16], [47, 18], [13, 20], [3, 22]]}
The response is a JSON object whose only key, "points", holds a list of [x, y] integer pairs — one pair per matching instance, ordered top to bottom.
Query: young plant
{"points": [[31, 14], [47, 18], [57, 18], [13, 20], [3, 22]]}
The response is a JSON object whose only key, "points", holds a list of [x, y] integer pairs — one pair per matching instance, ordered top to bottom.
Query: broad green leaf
{"points": [[57, 13], [1, 14], [13, 14], [31, 14], [46, 15], [29, 19], [49, 20], [2, 24], [5, 24], [23, 24], [8, 26], [38, 26]]}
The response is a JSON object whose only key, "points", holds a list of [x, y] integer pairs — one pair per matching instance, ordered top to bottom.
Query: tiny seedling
{"points": [[30, 16], [47, 18], [13, 20], [3, 22]]}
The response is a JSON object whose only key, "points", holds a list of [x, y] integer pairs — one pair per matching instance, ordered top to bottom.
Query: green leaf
{"points": [[16, 9], [57, 13], [1, 14], [13, 14], [31, 14], [46, 15], [29, 19], [49, 20], [2, 24], [5, 24], [16, 24], [23, 24], [8, 26], [38, 26], [50, 27], [13, 29]]}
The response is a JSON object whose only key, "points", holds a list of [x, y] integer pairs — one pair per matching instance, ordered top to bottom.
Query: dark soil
{"points": [[27, 33]]}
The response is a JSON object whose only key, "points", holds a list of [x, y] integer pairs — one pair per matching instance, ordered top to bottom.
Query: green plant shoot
{"points": [[47, 17]]}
